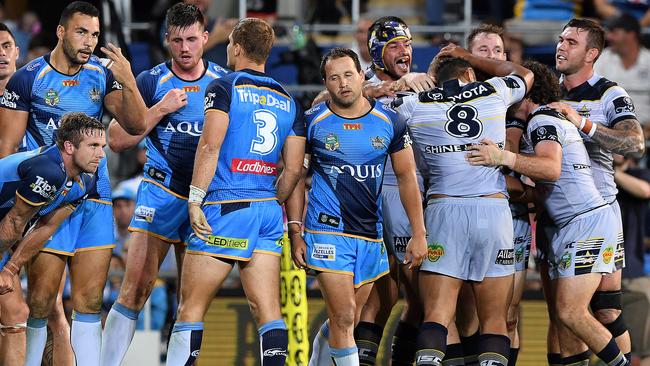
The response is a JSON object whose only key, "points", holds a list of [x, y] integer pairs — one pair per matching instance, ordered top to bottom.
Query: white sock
{"points": [[118, 334], [36, 338], [86, 338], [184, 343], [320, 355], [345, 356]]}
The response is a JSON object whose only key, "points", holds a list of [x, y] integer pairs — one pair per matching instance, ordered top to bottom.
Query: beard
{"points": [[72, 53], [342, 103]]}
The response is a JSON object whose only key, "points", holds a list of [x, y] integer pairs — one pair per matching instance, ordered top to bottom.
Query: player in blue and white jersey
{"points": [[71, 79], [174, 93], [250, 121], [443, 123], [350, 138], [583, 233]]}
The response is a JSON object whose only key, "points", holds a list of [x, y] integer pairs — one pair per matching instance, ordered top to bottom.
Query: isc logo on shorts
{"points": [[144, 213], [229, 243], [324, 252]]}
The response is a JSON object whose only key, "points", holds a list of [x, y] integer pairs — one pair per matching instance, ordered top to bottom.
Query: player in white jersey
{"points": [[605, 115], [444, 122], [583, 231]]}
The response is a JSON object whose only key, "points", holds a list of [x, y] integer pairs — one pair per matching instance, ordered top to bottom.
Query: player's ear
{"points": [[60, 30], [206, 35], [592, 54], [470, 75], [68, 147]]}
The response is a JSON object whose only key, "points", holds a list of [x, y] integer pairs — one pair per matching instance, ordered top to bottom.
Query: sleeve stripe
{"points": [[217, 110], [621, 118], [35, 204]]}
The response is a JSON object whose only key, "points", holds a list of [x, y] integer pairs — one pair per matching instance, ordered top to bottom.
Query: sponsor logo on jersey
{"points": [[33, 66], [70, 82], [117, 85], [192, 88], [95, 95], [463, 96], [51, 97], [9, 99], [266, 99], [208, 101], [623, 105], [584, 111], [352, 126], [189, 128], [407, 140], [332, 142], [378, 142], [252, 166], [581, 166], [359, 172], [156, 174], [42, 187], [144, 213], [330, 220], [228, 243], [400, 243], [435, 251], [324, 252], [608, 254], [505, 257], [565, 261], [275, 352], [195, 353], [429, 359]]}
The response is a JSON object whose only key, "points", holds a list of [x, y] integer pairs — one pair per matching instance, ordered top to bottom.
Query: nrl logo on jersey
{"points": [[95, 95], [52, 97], [332, 142]]}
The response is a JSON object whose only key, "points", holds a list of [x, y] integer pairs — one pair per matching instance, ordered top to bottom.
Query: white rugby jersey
{"points": [[444, 122]]}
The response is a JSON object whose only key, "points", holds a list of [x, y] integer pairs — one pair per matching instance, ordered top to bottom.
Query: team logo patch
{"points": [[95, 95], [52, 97], [623, 105], [584, 111], [407, 140], [332, 142], [378, 142], [144, 213], [330, 220], [227, 243], [435, 251], [324, 252], [608, 254], [505, 257], [565, 261]]}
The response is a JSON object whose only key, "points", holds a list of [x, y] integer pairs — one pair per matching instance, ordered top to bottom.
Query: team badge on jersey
{"points": [[95, 95], [52, 97], [584, 111], [332, 142], [378, 142], [608, 254], [565, 261]]}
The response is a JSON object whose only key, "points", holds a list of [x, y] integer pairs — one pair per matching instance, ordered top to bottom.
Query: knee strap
{"points": [[606, 300], [617, 327]]}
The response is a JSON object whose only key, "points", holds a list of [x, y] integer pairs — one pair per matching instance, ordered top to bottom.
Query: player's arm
{"points": [[13, 124], [293, 153], [638, 187], [294, 207], [14, 223]]}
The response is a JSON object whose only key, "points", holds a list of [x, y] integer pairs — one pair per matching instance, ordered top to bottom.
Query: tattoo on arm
{"points": [[626, 138]]}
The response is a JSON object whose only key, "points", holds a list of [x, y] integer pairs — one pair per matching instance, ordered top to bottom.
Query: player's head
{"points": [[78, 31], [623, 33], [186, 35], [251, 39], [486, 40], [389, 42], [579, 46], [8, 52], [452, 68], [342, 75], [545, 90], [83, 138]]}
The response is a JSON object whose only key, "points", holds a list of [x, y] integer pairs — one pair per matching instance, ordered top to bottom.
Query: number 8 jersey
{"points": [[262, 115], [444, 122]]}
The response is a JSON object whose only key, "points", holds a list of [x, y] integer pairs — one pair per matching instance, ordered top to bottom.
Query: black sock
{"points": [[196, 337], [367, 337], [432, 343], [274, 344], [404, 344], [470, 349], [493, 349], [454, 355], [612, 355], [628, 356], [512, 359], [554, 359], [581, 359]]}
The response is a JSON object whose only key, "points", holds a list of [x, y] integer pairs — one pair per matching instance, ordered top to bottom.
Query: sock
{"points": [[118, 334], [86, 337], [367, 337], [36, 338], [274, 341], [184, 343], [432, 343], [404, 344], [470, 349], [493, 349], [320, 354], [454, 355], [612, 355], [345, 356], [512, 359], [554, 359], [581, 359]]}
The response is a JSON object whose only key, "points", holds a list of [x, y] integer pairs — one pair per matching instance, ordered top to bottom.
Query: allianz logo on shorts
{"points": [[267, 99], [144, 213], [228, 243], [324, 252], [505, 257]]}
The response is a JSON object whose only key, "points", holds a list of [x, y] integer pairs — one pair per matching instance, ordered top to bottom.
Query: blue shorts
{"points": [[160, 213], [90, 227], [239, 229], [5, 258], [365, 260]]}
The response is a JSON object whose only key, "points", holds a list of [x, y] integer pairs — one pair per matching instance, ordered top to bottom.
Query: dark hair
{"points": [[78, 7], [183, 15], [4, 28], [484, 28], [595, 33], [256, 38], [335, 53], [451, 68], [546, 87], [74, 126]]}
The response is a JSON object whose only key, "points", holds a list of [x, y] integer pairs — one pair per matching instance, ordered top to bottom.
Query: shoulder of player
{"points": [[30, 70], [216, 71], [605, 86], [385, 110], [315, 112], [545, 116], [47, 164]]}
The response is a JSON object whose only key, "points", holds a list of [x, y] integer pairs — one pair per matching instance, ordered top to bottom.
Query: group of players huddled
{"points": [[417, 181]]}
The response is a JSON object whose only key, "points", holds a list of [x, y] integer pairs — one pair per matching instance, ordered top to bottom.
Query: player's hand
{"points": [[452, 50], [120, 66], [416, 81], [381, 89], [174, 100], [570, 113], [487, 153], [199, 223], [298, 250], [416, 251], [6, 282]]}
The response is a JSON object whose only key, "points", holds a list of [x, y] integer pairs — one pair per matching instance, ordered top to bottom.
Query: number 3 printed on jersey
{"points": [[462, 122], [267, 127]]}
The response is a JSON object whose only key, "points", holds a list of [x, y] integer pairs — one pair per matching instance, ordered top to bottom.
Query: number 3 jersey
{"points": [[262, 115], [444, 122], [171, 145]]}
